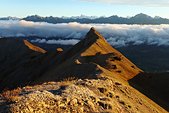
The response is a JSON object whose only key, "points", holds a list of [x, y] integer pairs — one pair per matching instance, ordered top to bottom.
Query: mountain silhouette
{"points": [[137, 19]]}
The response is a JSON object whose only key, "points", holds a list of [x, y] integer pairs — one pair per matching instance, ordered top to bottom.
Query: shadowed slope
{"points": [[21, 65], [154, 86]]}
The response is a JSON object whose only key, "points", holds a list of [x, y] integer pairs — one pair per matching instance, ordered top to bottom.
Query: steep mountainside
{"points": [[92, 50], [21, 62], [31, 64], [90, 77], [153, 85]]}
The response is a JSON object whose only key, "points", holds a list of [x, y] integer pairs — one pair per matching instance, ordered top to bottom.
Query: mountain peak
{"points": [[142, 15], [92, 31], [93, 35], [95, 49]]}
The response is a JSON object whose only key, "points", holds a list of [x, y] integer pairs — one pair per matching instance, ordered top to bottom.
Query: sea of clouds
{"points": [[71, 33]]}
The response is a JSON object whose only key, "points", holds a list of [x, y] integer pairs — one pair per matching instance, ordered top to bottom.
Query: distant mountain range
{"points": [[9, 18], [137, 19]]}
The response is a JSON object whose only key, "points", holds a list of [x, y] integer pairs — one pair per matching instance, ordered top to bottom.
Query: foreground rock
{"points": [[81, 96]]}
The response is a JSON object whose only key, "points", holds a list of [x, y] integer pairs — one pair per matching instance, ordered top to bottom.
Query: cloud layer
{"points": [[71, 33], [59, 41]]}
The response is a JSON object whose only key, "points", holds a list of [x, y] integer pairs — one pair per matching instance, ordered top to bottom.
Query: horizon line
{"points": [[82, 15]]}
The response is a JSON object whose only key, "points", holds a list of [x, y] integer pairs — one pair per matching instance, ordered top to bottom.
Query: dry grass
{"points": [[70, 79], [11, 95], [80, 96]]}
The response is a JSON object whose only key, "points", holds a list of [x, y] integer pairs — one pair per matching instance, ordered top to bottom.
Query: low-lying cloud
{"points": [[71, 33], [60, 42]]}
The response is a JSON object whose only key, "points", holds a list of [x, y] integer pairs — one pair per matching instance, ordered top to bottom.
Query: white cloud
{"points": [[157, 3], [25, 28], [70, 33], [53, 41]]}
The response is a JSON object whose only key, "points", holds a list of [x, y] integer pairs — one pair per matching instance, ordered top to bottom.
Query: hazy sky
{"points": [[22, 8]]}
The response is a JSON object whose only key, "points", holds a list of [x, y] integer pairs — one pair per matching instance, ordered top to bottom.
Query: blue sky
{"points": [[22, 8]]}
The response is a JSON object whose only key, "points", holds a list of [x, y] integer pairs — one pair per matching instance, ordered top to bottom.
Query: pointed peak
{"points": [[92, 29], [94, 34]]}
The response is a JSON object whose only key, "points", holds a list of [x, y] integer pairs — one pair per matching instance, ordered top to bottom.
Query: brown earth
{"points": [[93, 49]]}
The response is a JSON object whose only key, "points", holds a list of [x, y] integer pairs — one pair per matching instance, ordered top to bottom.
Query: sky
{"points": [[124, 8]]}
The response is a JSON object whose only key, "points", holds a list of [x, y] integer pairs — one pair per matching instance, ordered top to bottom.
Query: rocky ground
{"points": [[79, 96]]}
